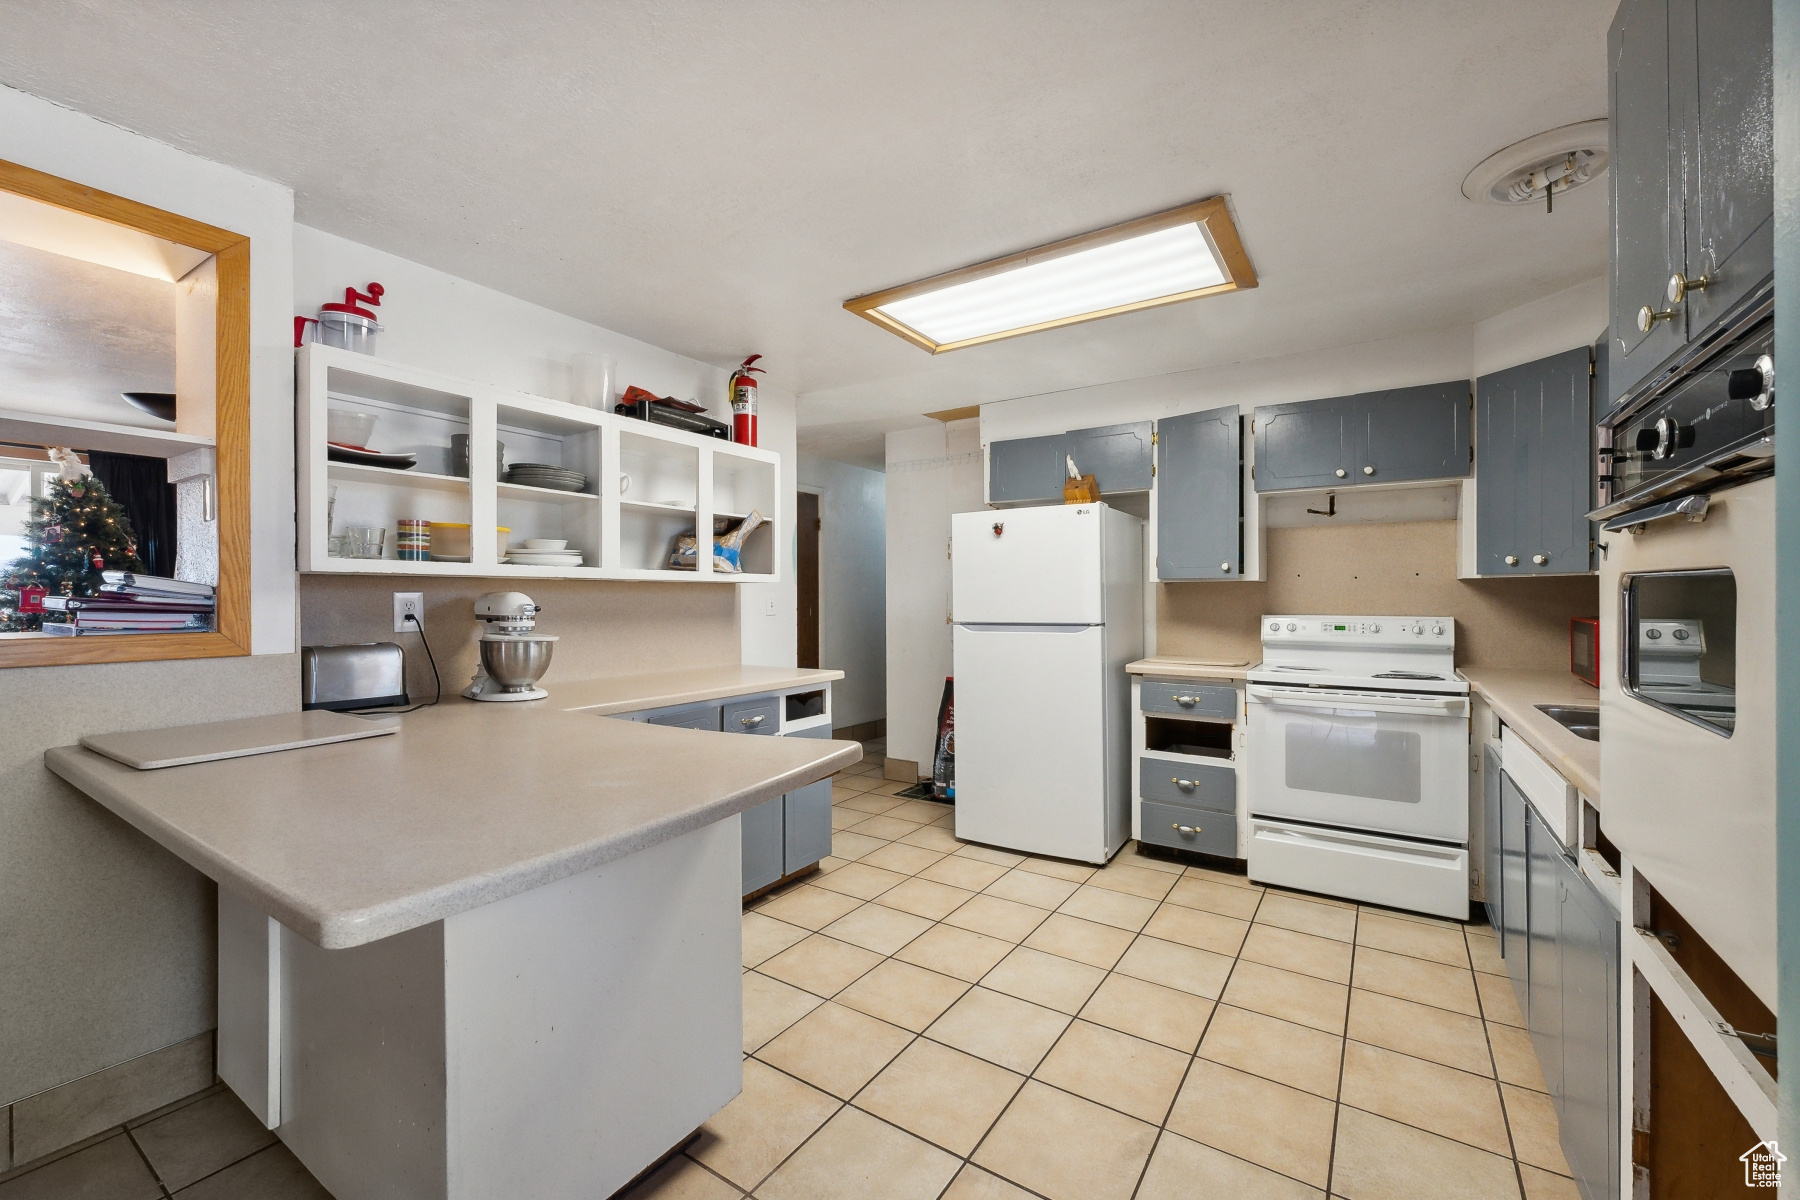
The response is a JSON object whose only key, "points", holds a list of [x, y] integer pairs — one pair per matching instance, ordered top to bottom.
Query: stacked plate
{"points": [[545, 475], [541, 552]]}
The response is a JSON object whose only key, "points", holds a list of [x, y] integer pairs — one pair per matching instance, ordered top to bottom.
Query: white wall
{"points": [[1561, 321], [440, 322], [931, 473], [852, 584], [106, 940]]}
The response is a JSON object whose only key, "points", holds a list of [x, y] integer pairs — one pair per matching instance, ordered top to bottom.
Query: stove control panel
{"points": [[1365, 631]]}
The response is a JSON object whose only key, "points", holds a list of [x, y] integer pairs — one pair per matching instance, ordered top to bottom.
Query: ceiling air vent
{"points": [[1542, 167]]}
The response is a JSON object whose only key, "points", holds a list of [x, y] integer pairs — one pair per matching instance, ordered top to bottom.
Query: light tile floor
{"points": [[927, 1018]]}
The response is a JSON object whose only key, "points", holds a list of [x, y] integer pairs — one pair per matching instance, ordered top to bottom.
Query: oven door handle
{"points": [[1435, 706]]}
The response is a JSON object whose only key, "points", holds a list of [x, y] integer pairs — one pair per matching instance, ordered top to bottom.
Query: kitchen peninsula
{"points": [[495, 953]]}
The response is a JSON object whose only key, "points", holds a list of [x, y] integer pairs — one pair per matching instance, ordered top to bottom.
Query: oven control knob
{"points": [[1274, 626], [1292, 627], [1374, 629], [1418, 629], [1437, 631], [1653, 634], [1681, 635]]}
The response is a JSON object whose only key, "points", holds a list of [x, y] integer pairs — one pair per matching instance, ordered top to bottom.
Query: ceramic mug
{"points": [[624, 484]]}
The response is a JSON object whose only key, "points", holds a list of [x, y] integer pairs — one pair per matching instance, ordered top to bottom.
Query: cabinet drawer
{"points": [[1189, 699], [761, 715], [704, 717], [1194, 785], [1168, 825]]}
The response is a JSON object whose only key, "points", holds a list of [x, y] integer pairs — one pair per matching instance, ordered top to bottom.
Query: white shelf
{"points": [[41, 429], [392, 477], [540, 495], [621, 538]]}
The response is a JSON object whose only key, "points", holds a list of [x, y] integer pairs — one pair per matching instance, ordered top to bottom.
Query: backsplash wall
{"points": [[1375, 569], [605, 627]]}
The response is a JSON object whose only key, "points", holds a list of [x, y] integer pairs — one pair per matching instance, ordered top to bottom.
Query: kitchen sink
{"points": [[1579, 719]]}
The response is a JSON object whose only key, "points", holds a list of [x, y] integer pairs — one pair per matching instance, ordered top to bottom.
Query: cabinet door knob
{"points": [[1680, 285], [1648, 317], [1368, 470], [1341, 472], [1540, 559], [1512, 560], [1225, 567], [1186, 701], [752, 722], [1184, 830]]}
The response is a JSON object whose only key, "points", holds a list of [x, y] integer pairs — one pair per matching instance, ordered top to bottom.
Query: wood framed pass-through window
{"points": [[65, 238]]}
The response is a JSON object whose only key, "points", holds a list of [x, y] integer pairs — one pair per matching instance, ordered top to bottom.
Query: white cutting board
{"points": [[149, 749]]}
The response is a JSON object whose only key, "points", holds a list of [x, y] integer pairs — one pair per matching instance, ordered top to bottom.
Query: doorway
{"points": [[806, 579]]}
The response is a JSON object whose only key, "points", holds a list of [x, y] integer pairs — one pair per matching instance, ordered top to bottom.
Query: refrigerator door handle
{"points": [[1022, 628]]}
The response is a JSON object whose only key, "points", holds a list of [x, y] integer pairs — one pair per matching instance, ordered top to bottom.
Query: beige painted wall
{"points": [[1377, 569], [606, 628]]}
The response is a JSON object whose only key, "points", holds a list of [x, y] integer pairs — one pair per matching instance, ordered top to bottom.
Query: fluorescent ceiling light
{"points": [[1179, 255]]}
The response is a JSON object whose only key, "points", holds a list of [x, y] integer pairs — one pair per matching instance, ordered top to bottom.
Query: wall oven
{"points": [[1687, 690]]}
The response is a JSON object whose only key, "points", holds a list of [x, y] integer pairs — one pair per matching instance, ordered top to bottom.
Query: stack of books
{"points": [[130, 603]]}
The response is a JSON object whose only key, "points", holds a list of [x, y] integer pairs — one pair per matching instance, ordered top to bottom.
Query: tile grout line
{"points": [[1337, 1104], [1512, 1144], [145, 1159]]}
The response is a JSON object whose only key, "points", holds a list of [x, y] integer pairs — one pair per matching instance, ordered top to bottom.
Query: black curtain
{"points": [[142, 486]]}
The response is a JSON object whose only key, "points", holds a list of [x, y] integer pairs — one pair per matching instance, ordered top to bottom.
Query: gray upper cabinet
{"points": [[1721, 67], [1691, 170], [1645, 196], [1395, 436], [1117, 456], [1022, 470], [1534, 470], [1199, 503]]}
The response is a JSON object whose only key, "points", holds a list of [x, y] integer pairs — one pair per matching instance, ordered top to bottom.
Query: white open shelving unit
{"points": [[647, 484]]}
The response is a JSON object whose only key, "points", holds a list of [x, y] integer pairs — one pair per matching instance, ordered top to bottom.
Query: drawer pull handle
{"points": [[1186, 701], [752, 722], [1186, 785], [1185, 830]]}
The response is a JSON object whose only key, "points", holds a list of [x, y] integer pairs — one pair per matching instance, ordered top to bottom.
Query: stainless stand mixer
{"points": [[513, 657]]}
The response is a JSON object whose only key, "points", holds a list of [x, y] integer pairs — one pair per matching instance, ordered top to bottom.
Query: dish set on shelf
{"points": [[546, 475]]}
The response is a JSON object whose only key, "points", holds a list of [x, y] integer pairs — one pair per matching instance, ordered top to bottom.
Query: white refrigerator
{"points": [[1048, 606]]}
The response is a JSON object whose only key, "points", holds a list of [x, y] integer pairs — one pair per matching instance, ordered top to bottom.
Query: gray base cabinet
{"points": [[1396, 436], [1534, 473], [1494, 896], [1560, 940]]}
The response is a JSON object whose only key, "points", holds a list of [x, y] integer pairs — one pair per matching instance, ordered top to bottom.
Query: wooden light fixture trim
{"points": [[1213, 215], [231, 252]]}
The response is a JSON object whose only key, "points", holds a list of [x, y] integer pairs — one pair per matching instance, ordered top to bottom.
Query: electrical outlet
{"points": [[409, 604]]}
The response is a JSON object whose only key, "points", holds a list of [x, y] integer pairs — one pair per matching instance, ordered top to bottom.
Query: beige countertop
{"points": [[1188, 668], [1513, 694], [468, 804]]}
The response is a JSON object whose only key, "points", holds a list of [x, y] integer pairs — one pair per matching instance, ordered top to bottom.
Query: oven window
{"points": [[1680, 651], [1354, 760]]}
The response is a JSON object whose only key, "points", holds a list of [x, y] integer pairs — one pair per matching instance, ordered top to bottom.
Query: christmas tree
{"points": [[76, 532]]}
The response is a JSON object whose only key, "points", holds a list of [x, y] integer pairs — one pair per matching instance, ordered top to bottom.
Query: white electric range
{"points": [[1358, 761]]}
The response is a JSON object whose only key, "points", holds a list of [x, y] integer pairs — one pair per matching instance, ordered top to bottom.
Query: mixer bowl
{"points": [[516, 661]]}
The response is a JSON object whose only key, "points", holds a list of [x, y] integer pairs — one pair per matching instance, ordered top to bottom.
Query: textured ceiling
{"points": [[717, 178]]}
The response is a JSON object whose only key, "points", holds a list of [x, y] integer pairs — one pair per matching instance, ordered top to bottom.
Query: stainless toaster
{"points": [[370, 675]]}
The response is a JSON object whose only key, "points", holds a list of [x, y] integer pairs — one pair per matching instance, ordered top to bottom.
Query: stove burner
{"points": [[1403, 675]]}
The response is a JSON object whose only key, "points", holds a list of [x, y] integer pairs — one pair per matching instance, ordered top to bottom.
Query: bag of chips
{"points": [[727, 548]]}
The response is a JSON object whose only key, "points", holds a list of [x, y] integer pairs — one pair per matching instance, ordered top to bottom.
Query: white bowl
{"points": [[349, 428], [546, 543]]}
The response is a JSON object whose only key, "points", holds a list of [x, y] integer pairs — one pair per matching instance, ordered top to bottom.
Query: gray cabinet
{"points": [[1721, 55], [1691, 170], [1643, 183], [1395, 436], [1022, 470], [1534, 471], [1199, 497], [706, 716], [806, 818], [765, 839], [1491, 891], [1589, 941], [1562, 951]]}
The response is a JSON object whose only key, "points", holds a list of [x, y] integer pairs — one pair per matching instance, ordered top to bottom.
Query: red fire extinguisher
{"points": [[743, 402]]}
